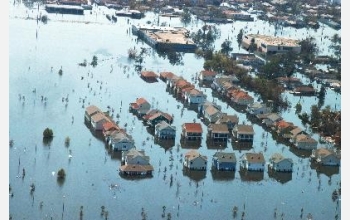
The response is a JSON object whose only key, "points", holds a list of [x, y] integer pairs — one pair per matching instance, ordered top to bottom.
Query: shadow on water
{"points": [[47, 141], [166, 144], [190, 144], [216, 144], [241, 145], [300, 152], [326, 170], [196, 175], [222, 175], [248, 176], [135, 177], [281, 177]]}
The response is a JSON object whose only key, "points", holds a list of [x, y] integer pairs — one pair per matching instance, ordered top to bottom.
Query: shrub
{"points": [[48, 133]]}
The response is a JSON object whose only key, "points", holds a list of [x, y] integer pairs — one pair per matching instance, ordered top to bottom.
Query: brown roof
{"points": [[208, 73], [149, 74], [166, 75], [140, 101], [92, 109], [98, 117], [107, 126], [193, 127], [219, 128], [248, 129], [305, 138], [255, 157], [136, 168]]}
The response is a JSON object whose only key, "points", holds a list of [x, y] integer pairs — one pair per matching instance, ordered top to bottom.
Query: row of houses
{"points": [[224, 161], [134, 162]]}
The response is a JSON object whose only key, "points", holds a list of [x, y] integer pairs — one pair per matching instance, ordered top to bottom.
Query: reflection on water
{"points": [[247, 175], [281, 177]]}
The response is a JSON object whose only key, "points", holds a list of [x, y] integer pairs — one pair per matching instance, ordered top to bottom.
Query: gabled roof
{"points": [[208, 73], [149, 74], [166, 75], [92, 109], [211, 110], [150, 113], [273, 116], [99, 117], [227, 118], [163, 125], [108, 126], [193, 127], [219, 128], [245, 129], [296, 131], [305, 138], [324, 152], [193, 154], [225, 157], [255, 157], [276, 158], [136, 168]]}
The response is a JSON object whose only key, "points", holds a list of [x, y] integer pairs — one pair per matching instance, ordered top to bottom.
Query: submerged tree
{"points": [[94, 61], [48, 133], [61, 174]]}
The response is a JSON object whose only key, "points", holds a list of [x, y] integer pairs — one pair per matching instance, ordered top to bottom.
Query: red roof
{"points": [[193, 127]]}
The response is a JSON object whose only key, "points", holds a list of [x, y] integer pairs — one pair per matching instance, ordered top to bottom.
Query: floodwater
{"points": [[39, 97]]}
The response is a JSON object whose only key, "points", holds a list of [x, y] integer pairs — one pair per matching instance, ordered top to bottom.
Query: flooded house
{"points": [[207, 75], [195, 96], [140, 107], [258, 108], [90, 111], [229, 120], [97, 121], [164, 130], [192, 131], [218, 132], [244, 133], [121, 141], [304, 142], [325, 157], [193, 160], [224, 161], [253, 161], [135, 162], [279, 163]]}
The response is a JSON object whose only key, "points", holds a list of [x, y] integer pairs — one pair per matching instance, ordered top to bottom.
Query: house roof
{"points": [[208, 73], [149, 74], [166, 75], [140, 101], [91, 109], [211, 110], [150, 113], [273, 116], [99, 117], [227, 118], [283, 124], [163, 125], [107, 126], [193, 127], [219, 128], [245, 129], [296, 131], [305, 138], [324, 152], [193, 154], [225, 157], [255, 157], [276, 157], [136, 168]]}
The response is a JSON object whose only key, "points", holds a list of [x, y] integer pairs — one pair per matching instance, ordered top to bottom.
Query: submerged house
{"points": [[140, 107], [90, 111], [229, 120], [97, 121], [164, 130], [192, 131], [218, 132], [243, 133], [121, 141], [304, 142], [325, 157], [195, 161], [224, 161], [253, 161], [135, 162], [280, 163]]}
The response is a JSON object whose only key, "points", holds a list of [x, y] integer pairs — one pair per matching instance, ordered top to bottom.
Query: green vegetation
{"points": [[94, 61], [48, 133], [61, 174]]}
